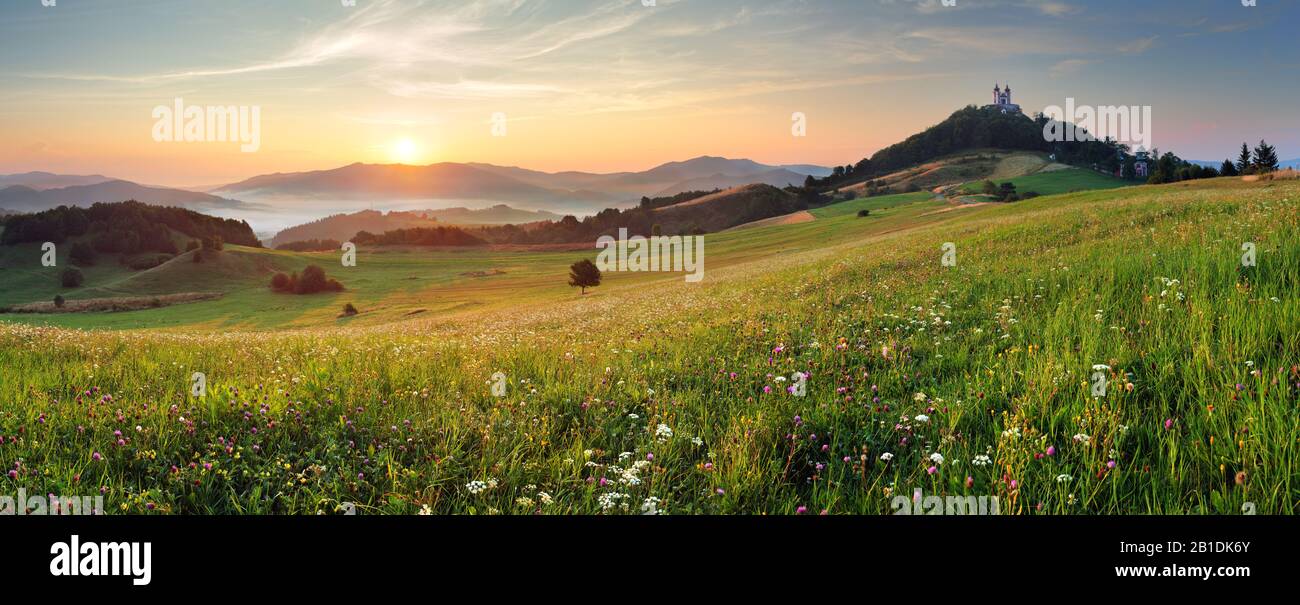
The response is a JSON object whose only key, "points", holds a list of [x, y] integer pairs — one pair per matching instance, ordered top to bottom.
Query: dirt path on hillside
{"points": [[958, 207]]}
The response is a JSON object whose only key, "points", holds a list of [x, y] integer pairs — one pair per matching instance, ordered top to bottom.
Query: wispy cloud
{"points": [[1054, 9], [1138, 46], [1067, 67]]}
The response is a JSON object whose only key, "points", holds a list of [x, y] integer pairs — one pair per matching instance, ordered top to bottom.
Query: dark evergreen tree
{"points": [[1265, 158], [1243, 160]]}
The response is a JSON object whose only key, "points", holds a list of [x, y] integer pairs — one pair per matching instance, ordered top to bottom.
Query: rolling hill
{"points": [[779, 177], [48, 180], [576, 192], [23, 198], [725, 209], [342, 227]]}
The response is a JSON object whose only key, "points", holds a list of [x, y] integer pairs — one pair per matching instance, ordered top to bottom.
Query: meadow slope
{"points": [[655, 395]]}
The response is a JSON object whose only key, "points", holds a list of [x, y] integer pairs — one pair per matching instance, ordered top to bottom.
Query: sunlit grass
{"points": [[655, 394]]}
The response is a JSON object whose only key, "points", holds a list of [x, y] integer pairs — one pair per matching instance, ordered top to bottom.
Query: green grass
{"points": [[1058, 181], [874, 204], [389, 285], [654, 390]]}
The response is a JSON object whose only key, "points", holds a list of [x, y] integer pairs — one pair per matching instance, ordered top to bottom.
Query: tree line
{"points": [[128, 227], [419, 236], [311, 245]]}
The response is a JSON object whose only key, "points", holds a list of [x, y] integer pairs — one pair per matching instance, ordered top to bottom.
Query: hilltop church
{"points": [[1002, 100]]}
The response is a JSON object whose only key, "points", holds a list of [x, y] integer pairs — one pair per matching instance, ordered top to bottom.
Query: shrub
{"points": [[864, 212], [72, 277], [311, 281], [280, 282], [58, 301], [349, 310]]}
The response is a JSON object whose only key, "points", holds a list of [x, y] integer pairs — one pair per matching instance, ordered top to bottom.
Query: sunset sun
{"points": [[404, 151]]}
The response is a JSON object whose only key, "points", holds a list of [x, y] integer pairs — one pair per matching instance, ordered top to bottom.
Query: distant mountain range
{"points": [[704, 173], [48, 180], [48, 191], [579, 192], [481, 193], [499, 214], [342, 227]]}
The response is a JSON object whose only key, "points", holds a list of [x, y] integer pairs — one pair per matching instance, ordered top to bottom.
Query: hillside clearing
{"points": [[794, 218]]}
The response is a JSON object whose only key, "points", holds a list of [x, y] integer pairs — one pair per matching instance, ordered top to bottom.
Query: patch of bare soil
{"points": [[802, 216]]}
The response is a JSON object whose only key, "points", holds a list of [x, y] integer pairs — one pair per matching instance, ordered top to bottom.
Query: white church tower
{"points": [[1002, 99]]}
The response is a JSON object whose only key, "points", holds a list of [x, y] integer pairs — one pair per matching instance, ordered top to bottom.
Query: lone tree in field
{"points": [[584, 274]]}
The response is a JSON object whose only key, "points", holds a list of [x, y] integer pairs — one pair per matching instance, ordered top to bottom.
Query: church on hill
{"points": [[1002, 100]]}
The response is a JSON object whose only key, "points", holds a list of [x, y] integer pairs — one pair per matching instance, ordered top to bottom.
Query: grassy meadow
{"points": [[1065, 180], [653, 395]]}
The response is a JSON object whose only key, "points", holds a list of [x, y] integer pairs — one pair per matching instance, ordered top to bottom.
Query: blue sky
{"points": [[612, 84]]}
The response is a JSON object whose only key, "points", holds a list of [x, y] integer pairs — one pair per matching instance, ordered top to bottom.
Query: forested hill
{"points": [[972, 128], [128, 226]]}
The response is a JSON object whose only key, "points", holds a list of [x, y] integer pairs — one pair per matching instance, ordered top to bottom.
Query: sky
{"points": [[613, 85]]}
